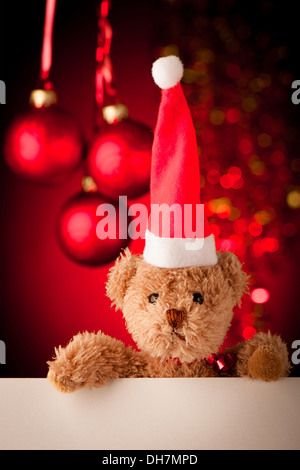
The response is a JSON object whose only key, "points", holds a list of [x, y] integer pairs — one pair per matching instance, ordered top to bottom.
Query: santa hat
{"points": [[178, 233]]}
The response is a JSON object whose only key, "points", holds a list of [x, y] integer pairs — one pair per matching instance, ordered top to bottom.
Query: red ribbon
{"points": [[46, 58], [222, 361]]}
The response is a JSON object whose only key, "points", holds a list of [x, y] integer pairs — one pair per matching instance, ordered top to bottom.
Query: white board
{"points": [[157, 414]]}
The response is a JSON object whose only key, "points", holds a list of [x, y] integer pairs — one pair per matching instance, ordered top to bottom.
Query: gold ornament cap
{"points": [[41, 98], [115, 113], [88, 184]]}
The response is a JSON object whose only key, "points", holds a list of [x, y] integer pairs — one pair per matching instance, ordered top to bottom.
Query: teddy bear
{"points": [[178, 297], [178, 318]]}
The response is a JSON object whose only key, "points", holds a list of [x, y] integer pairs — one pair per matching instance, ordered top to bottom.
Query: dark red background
{"points": [[45, 297]]}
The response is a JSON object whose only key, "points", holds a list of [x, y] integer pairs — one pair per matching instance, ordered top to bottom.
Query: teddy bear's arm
{"points": [[264, 356], [90, 360]]}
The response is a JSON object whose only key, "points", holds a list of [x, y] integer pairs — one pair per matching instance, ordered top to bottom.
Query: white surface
{"points": [[151, 414]]}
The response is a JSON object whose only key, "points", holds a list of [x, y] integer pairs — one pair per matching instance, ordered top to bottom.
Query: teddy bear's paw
{"points": [[265, 364], [62, 385]]}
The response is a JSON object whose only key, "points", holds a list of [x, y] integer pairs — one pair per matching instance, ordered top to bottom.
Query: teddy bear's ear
{"points": [[234, 274], [120, 276]]}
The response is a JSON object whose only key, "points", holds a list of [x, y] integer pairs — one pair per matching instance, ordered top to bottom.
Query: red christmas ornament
{"points": [[44, 144], [119, 156], [119, 159], [79, 228]]}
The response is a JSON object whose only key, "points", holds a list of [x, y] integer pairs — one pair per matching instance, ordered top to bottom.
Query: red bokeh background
{"points": [[46, 298]]}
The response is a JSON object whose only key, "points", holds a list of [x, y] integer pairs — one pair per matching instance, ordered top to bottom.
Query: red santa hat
{"points": [[178, 233]]}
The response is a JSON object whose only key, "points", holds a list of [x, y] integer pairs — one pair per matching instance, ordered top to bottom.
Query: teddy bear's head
{"points": [[179, 313]]}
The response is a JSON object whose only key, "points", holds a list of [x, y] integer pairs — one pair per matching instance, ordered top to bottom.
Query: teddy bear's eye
{"points": [[197, 297], [152, 298]]}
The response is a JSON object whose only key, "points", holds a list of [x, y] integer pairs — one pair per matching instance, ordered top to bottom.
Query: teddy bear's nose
{"points": [[175, 317]]}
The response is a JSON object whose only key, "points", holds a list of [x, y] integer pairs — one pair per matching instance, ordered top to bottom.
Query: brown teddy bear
{"points": [[178, 297], [178, 318]]}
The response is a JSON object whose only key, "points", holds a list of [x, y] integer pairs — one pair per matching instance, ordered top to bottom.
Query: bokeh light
{"points": [[233, 115], [293, 199], [260, 295], [249, 332]]}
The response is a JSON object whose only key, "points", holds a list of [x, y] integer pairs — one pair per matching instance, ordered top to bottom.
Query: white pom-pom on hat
{"points": [[167, 71]]}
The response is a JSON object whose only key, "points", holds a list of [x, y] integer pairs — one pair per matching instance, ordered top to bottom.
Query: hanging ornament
{"points": [[45, 143], [119, 156], [119, 159], [91, 230]]}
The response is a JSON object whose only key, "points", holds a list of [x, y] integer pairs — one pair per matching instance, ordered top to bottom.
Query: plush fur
{"points": [[176, 330]]}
